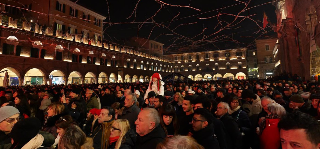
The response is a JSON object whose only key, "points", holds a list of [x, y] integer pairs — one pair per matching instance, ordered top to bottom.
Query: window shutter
{"points": [[57, 6], [64, 8], [71, 11], [76, 13], [63, 29]]}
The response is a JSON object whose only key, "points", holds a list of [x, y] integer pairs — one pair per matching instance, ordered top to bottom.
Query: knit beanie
{"points": [[296, 98], [7, 111], [24, 130]]}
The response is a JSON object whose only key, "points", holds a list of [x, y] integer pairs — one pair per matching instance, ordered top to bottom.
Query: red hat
{"points": [[158, 76], [93, 111], [98, 111]]}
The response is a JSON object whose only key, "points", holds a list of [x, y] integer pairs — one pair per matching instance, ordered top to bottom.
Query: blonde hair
{"points": [[180, 98], [58, 108], [124, 127], [179, 142]]}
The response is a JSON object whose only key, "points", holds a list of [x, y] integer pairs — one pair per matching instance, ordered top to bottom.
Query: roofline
{"points": [[84, 9]]}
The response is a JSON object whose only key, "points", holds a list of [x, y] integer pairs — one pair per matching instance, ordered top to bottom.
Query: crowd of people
{"points": [[240, 114]]}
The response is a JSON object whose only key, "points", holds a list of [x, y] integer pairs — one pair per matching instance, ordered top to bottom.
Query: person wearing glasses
{"points": [[9, 116], [232, 129], [203, 131], [121, 136]]}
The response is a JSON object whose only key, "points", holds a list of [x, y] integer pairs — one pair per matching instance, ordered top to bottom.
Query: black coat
{"points": [[107, 100], [131, 114], [242, 120], [185, 123], [220, 132], [233, 132], [205, 137], [5, 140], [151, 140], [128, 142]]}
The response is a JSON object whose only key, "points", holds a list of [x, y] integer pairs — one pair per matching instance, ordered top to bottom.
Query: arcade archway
{"points": [[13, 76], [34, 76], [217, 76], [229, 76], [241, 76], [56, 77], [190, 77], [198, 77], [207, 77], [75, 78], [90, 78], [103, 78], [112, 78], [127, 78], [134, 78], [141, 79]]}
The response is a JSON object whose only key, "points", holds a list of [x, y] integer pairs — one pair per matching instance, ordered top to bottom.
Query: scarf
{"points": [[234, 110], [113, 139], [34, 143]]}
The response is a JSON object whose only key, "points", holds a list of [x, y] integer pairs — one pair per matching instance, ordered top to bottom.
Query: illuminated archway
{"points": [[13, 76], [34, 76], [217, 76], [229, 76], [241, 76], [57, 77], [75, 77], [190, 77], [198, 77], [208, 77], [90, 78], [103, 78], [112, 78], [127, 78], [134, 78], [120, 79], [141, 79]]}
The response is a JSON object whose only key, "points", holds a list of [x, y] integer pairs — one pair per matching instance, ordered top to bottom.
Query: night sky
{"points": [[186, 25]]}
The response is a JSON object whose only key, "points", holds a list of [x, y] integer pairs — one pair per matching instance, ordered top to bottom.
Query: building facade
{"points": [[298, 31], [60, 42], [147, 46], [34, 50], [265, 57], [252, 63], [211, 65]]}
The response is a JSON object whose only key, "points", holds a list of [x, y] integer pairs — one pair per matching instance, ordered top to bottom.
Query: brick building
{"points": [[298, 31], [42, 48]]}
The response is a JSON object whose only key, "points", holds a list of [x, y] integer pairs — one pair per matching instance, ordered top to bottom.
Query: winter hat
{"points": [[158, 76], [190, 91], [137, 92], [305, 95], [315, 96], [296, 98], [7, 111], [24, 130]]}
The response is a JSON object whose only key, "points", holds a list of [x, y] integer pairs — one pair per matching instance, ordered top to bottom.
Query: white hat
{"points": [[190, 91], [137, 92]]}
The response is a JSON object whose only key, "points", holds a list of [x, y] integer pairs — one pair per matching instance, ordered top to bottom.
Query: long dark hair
{"points": [[169, 110]]}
